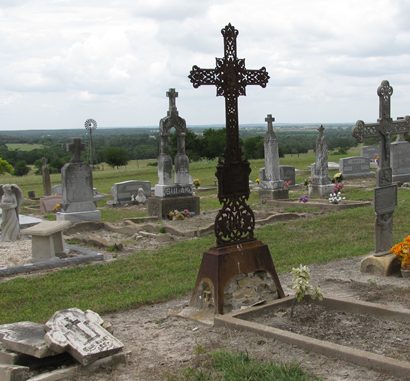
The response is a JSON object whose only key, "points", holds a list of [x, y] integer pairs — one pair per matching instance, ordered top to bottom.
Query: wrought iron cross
{"points": [[384, 128], [76, 147], [235, 222]]}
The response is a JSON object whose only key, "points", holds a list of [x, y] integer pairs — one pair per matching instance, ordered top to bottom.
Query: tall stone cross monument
{"points": [[385, 196], [237, 250]]}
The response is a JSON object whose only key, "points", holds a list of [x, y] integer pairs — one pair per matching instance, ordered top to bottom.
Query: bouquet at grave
{"points": [[337, 178], [257, 180], [196, 183], [287, 184], [337, 187], [304, 198], [335, 198], [57, 208], [176, 215], [402, 251]]}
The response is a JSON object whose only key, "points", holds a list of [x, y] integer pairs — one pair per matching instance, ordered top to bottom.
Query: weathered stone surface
{"points": [[370, 152], [271, 153], [400, 160], [355, 166], [287, 173], [173, 190], [123, 191], [273, 194], [48, 203], [161, 206], [47, 239], [385, 265], [81, 334], [26, 337], [13, 373]]}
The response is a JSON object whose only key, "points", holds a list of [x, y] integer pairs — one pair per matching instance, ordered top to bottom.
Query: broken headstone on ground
{"points": [[30, 348]]}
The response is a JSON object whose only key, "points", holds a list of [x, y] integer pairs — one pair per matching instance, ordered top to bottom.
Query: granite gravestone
{"points": [[371, 152], [400, 159], [355, 166], [45, 173], [288, 174], [77, 182], [320, 184], [271, 185], [122, 192], [173, 193], [385, 195], [237, 251], [81, 334]]}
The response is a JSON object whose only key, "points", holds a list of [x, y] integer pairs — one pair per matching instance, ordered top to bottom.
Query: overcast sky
{"points": [[63, 61]]}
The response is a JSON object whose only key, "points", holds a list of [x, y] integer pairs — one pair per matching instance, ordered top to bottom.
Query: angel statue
{"points": [[11, 198]]}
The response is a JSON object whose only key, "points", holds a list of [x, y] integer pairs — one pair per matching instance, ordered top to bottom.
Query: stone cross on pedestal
{"points": [[172, 95], [269, 119], [76, 147], [271, 152], [385, 197], [235, 222]]}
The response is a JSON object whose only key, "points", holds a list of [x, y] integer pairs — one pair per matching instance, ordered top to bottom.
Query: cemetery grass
{"points": [[158, 275], [227, 366]]}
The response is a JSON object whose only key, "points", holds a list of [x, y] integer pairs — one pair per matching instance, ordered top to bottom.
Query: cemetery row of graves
{"points": [[227, 240]]}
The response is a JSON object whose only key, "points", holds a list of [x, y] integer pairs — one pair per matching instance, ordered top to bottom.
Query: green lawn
{"points": [[23, 146]]}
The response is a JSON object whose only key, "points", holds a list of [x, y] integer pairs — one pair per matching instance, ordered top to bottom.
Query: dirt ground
{"points": [[163, 344]]}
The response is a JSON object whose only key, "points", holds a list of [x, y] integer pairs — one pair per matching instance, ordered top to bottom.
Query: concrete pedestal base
{"points": [[322, 191], [273, 194], [161, 206], [92, 215], [380, 264]]}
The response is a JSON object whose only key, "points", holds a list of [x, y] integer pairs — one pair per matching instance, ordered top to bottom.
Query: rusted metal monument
{"points": [[385, 193], [237, 250]]}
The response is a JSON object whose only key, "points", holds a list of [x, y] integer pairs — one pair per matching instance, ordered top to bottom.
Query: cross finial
{"points": [[384, 91], [172, 95], [269, 119], [321, 129], [76, 147]]}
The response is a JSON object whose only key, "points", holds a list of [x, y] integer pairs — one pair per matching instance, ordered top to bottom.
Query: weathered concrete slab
{"points": [[81, 334], [26, 337], [13, 372]]}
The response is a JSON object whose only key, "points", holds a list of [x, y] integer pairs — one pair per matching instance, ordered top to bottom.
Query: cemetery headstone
{"points": [[371, 152], [400, 159], [355, 166], [45, 173], [288, 173], [77, 183], [320, 184], [271, 185], [122, 192], [173, 192], [385, 195], [11, 198], [48, 204], [237, 251], [81, 334]]}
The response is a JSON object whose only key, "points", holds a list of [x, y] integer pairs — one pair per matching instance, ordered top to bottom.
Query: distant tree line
{"points": [[117, 149]]}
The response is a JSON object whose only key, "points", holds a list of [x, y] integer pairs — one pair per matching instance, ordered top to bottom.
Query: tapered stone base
{"points": [[321, 191], [273, 194], [161, 206], [74, 217], [221, 264], [380, 264]]}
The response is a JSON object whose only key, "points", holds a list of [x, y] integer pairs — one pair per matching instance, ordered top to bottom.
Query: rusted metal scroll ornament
{"points": [[235, 221]]}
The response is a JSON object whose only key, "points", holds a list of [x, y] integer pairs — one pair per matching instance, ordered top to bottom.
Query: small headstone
{"points": [[271, 152], [370, 152], [400, 159], [355, 166], [45, 173], [287, 173], [78, 192], [122, 192], [31, 195], [48, 203], [81, 334], [26, 337]]}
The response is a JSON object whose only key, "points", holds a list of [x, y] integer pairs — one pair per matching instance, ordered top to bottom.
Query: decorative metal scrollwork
{"points": [[235, 221]]}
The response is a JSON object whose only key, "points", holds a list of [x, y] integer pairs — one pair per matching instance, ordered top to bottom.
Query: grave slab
{"points": [[81, 334], [26, 337], [13, 372]]}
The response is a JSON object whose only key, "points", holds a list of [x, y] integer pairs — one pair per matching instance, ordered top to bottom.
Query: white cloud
{"points": [[62, 61]]}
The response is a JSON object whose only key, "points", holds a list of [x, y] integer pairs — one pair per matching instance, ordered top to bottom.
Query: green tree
{"points": [[116, 156], [5, 166], [21, 168]]}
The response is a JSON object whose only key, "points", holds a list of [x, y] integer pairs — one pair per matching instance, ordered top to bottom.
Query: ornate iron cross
{"points": [[384, 128], [235, 222]]}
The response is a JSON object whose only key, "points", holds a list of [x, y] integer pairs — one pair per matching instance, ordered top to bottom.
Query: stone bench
{"points": [[47, 239]]}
